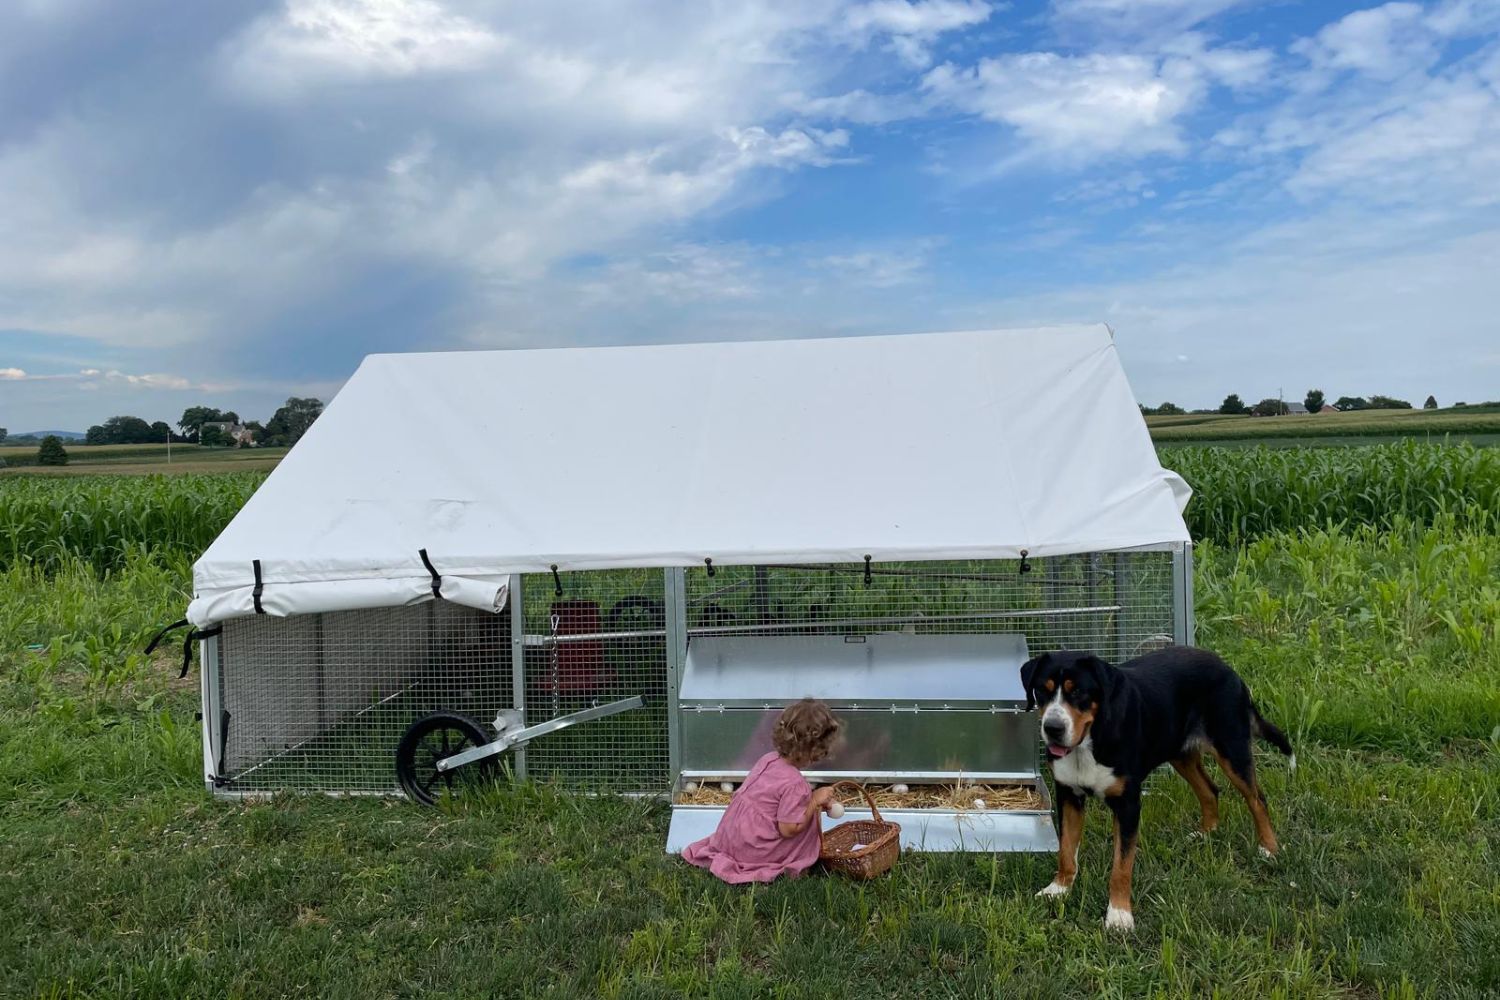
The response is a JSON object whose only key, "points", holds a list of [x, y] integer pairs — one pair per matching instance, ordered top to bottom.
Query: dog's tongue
{"points": [[1056, 751]]}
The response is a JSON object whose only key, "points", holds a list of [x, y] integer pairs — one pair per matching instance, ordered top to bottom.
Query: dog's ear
{"points": [[1028, 673], [1104, 674]]}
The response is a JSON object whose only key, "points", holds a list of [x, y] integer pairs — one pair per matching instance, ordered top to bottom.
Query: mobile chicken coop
{"points": [[890, 523]]}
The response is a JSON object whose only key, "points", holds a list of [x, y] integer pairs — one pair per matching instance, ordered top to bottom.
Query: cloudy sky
{"points": [[233, 202]]}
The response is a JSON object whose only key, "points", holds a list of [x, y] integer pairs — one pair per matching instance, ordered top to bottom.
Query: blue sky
{"points": [[230, 203]]}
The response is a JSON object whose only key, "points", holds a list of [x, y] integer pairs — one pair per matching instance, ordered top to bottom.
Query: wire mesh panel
{"points": [[1116, 604], [601, 639], [319, 702]]}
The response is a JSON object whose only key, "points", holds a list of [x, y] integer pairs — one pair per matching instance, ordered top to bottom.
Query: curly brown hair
{"points": [[806, 732]]}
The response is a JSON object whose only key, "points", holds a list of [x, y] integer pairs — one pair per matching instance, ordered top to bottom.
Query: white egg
{"points": [[726, 786], [690, 787], [900, 789], [980, 804], [835, 809]]}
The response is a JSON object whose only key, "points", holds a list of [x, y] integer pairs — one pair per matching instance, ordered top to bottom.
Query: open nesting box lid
{"points": [[896, 670]]}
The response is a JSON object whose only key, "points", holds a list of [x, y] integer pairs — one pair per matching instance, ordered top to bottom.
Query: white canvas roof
{"points": [[937, 446]]}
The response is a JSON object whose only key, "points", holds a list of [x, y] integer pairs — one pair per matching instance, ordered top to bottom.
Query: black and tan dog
{"points": [[1107, 727]]}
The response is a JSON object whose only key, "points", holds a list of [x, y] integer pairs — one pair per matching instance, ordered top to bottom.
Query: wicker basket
{"points": [[880, 843]]}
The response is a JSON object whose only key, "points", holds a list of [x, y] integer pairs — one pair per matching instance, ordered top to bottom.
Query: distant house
{"points": [[1329, 408], [1296, 409], [242, 436]]}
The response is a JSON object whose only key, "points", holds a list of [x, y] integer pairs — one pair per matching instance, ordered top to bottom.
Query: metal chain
{"points": [[556, 696]]}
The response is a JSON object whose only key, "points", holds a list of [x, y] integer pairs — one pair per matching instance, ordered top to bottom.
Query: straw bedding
{"points": [[951, 796]]}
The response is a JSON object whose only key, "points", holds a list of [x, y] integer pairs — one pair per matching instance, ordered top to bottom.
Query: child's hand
{"points": [[822, 797]]}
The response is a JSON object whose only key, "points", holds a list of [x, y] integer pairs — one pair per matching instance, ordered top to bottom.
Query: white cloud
{"points": [[911, 27], [358, 38], [1382, 42], [1076, 107], [1378, 117], [12, 373]]}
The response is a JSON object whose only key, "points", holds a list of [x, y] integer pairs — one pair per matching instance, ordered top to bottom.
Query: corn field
{"points": [[1242, 494], [1239, 495], [102, 520]]}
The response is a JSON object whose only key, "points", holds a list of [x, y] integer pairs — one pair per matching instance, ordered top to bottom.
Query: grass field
{"points": [[1479, 423], [140, 459], [1374, 645]]}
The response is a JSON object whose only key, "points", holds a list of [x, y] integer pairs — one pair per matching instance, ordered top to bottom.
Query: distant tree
{"points": [[1314, 400], [1351, 403], [1387, 403], [1233, 404], [1431, 404], [1460, 406], [1269, 408], [1170, 410], [1147, 411], [195, 417], [292, 421], [121, 430], [160, 431], [257, 431], [3, 433], [212, 437], [52, 451]]}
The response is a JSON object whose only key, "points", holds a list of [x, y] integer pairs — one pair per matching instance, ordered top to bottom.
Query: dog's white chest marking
{"points": [[1081, 771]]}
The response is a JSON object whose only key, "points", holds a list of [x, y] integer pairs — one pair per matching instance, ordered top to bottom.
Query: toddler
{"points": [[772, 826]]}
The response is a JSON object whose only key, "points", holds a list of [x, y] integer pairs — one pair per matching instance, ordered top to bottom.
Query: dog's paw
{"points": [[1198, 835], [1266, 854], [1054, 888], [1116, 919]]}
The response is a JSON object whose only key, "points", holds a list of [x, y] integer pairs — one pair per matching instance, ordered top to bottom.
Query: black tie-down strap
{"points": [[437, 581], [260, 587], [193, 635], [187, 645], [151, 647]]}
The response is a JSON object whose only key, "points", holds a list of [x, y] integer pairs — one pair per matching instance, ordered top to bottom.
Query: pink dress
{"points": [[747, 847]]}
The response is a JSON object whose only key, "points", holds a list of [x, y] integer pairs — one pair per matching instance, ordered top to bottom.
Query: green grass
{"points": [[109, 459], [1376, 649]]}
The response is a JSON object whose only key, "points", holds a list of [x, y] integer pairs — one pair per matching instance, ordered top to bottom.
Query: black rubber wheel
{"points": [[636, 613], [430, 739]]}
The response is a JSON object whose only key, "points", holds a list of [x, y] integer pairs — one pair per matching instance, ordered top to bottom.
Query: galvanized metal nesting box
{"points": [[919, 710]]}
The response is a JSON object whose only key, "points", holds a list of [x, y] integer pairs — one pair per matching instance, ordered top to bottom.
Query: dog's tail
{"points": [[1273, 735]]}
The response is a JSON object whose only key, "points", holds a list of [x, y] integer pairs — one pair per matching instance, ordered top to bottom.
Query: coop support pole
{"points": [[1182, 594], [675, 605], [518, 665], [208, 679]]}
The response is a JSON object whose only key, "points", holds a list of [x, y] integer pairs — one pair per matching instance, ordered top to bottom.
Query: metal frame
{"points": [[675, 609], [1183, 625], [518, 663], [212, 685]]}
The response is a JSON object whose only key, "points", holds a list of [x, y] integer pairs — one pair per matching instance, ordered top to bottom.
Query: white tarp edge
{"points": [[281, 600]]}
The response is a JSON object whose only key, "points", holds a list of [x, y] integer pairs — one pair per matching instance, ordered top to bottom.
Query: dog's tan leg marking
{"points": [[1191, 769], [1250, 789], [1067, 849], [1119, 916]]}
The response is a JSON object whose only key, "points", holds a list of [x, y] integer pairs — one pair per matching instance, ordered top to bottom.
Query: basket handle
{"points": [[869, 799]]}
